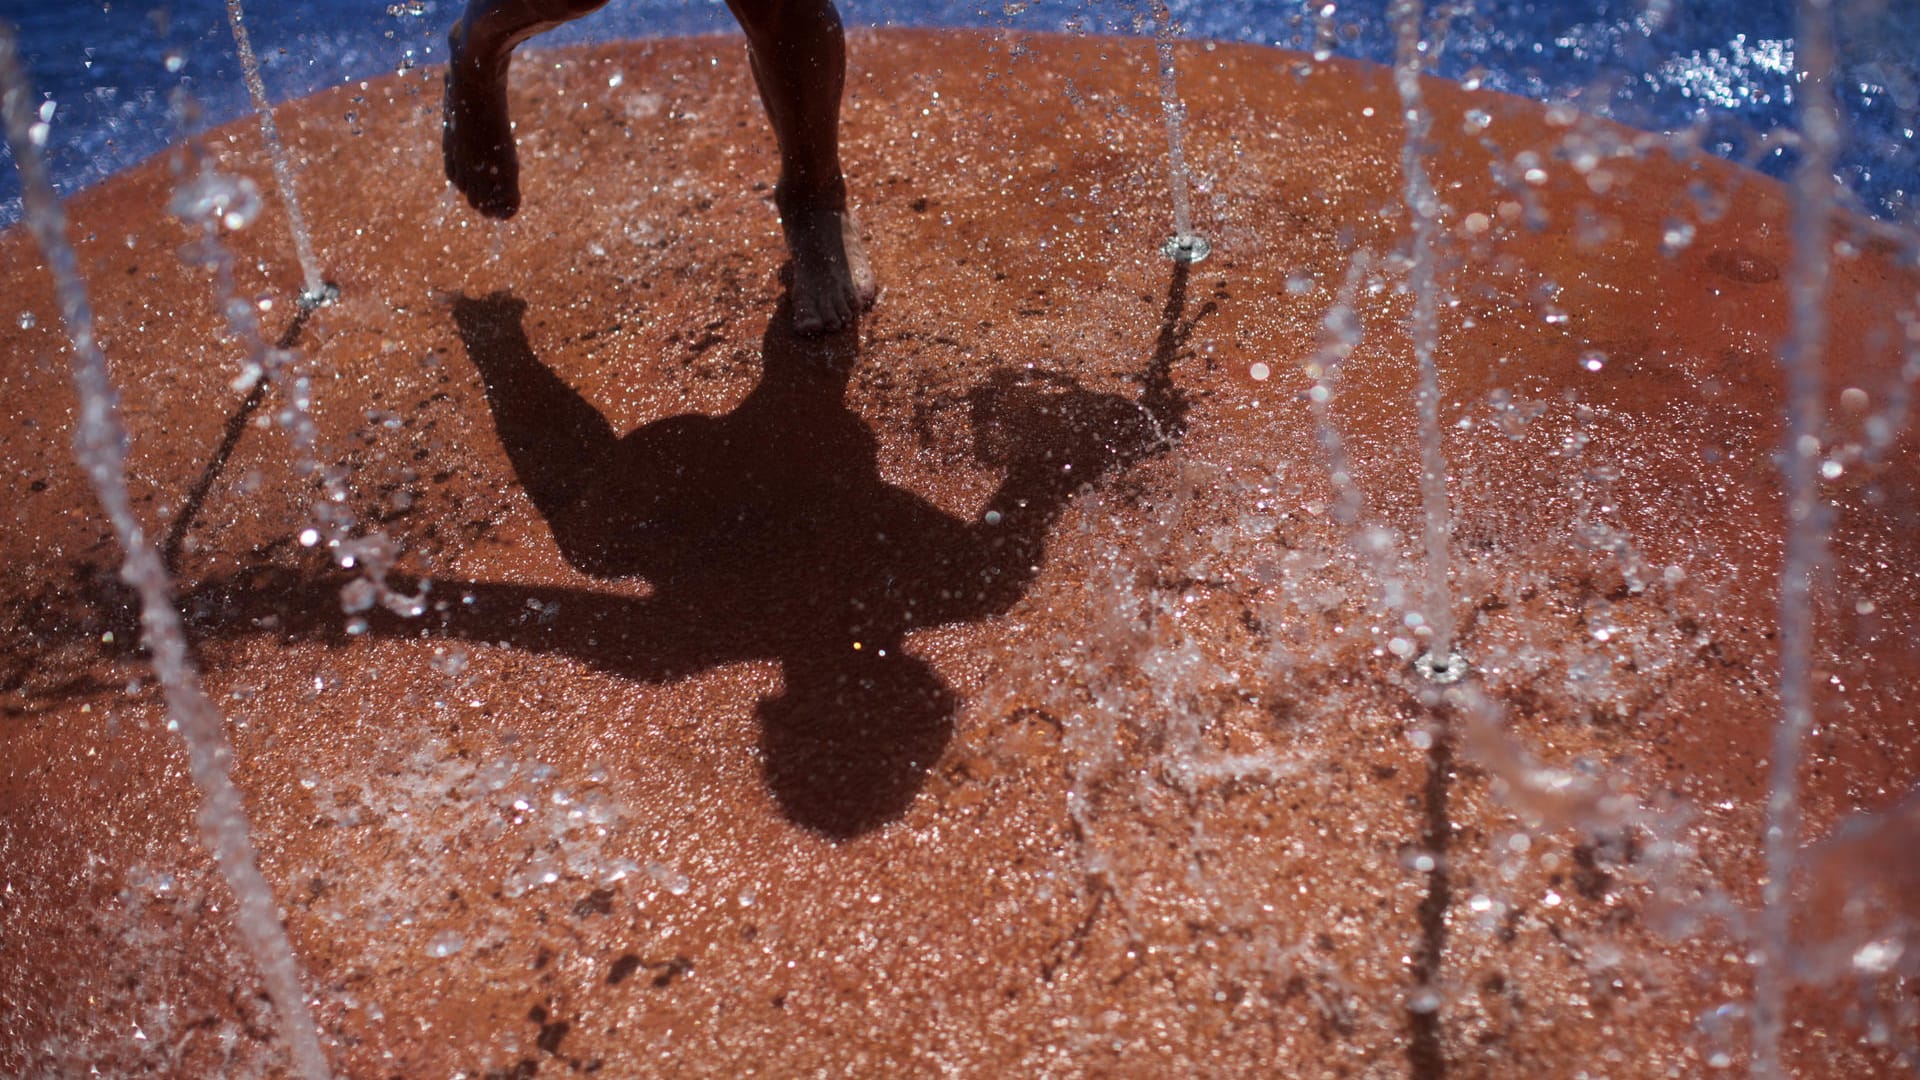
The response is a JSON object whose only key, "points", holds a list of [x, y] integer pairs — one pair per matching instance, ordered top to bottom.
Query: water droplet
{"points": [[175, 60], [230, 201], [1675, 238], [27, 320], [1593, 360], [1259, 372], [309, 537], [358, 595], [599, 810], [669, 879], [445, 943], [1877, 957]]}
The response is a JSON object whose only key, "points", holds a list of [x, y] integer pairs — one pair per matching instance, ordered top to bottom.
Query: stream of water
{"points": [[1409, 18], [1184, 245], [314, 288], [100, 444], [1808, 520]]}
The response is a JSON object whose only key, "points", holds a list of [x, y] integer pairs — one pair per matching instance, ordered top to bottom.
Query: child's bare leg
{"points": [[799, 59], [477, 137]]}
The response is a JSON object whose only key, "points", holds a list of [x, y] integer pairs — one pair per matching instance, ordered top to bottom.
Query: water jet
{"points": [[316, 290]]}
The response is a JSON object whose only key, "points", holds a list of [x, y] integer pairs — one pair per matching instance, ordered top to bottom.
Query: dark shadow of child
{"points": [[768, 533]]}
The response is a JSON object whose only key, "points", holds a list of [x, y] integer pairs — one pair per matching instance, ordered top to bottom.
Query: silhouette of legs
{"points": [[555, 438]]}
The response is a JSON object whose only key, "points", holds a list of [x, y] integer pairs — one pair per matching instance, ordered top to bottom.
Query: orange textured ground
{"points": [[989, 691]]}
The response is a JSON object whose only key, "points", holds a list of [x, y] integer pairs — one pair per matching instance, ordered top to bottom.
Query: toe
{"points": [[496, 203], [821, 313], [807, 321]]}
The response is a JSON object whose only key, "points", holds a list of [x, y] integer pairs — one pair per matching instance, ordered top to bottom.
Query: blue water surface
{"points": [[1722, 69]]}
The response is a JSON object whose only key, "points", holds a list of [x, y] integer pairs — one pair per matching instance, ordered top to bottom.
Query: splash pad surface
{"points": [[992, 689]]}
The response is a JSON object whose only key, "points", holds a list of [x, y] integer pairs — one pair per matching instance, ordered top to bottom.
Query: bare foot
{"points": [[477, 137], [832, 277]]}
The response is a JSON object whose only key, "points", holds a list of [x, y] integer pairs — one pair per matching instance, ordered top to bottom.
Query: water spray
{"points": [[209, 202], [100, 445]]}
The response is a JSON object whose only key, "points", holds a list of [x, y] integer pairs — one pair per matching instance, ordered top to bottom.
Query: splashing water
{"points": [[208, 202], [315, 290], [100, 444], [1371, 543]]}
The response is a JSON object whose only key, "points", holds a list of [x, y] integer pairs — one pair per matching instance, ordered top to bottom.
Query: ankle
{"points": [[794, 197]]}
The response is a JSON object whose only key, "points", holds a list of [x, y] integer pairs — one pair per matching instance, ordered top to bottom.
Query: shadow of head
{"points": [[848, 743]]}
